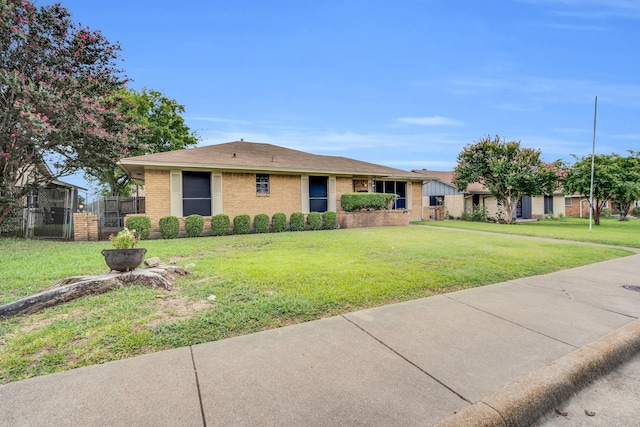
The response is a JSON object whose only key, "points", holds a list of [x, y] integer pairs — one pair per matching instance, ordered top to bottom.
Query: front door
{"points": [[548, 205], [523, 208]]}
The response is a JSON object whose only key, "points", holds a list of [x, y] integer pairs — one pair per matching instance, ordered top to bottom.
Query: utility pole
{"points": [[593, 153]]}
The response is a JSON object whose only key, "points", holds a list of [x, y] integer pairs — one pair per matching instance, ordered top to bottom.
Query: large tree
{"points": [[58, 112], [156, 125], [507, 170], [615, 178]]}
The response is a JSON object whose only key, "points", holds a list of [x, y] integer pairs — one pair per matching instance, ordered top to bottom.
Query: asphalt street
{"points": [[612, 401]]}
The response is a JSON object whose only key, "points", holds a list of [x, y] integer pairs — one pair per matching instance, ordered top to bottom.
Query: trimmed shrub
{"points": [[352, 202], [636, 211], [605, 213], [477, 214], [314, 219], [329, 220], [297, 221], [279, 222], [261, 223], [242, 224], [142, 225], [194, 225], [220, 225], [169, 227]]}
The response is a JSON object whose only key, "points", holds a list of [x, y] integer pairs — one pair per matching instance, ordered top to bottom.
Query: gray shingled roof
{"points": [[241, 155], [447, 178]]}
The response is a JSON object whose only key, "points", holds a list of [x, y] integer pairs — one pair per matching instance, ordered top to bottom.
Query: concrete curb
{"points": [[524, 401]]}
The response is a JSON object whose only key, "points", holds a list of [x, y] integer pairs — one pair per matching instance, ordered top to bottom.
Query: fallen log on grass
{"points": [[75, 287]]}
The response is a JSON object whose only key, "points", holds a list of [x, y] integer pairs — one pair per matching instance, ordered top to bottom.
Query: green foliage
{"points": [[58, 98], [159, 127], [507, 170], [614, 177], [352, 202], [636, 211], [605, 213], [478, 214], [314, 219], [329, 220], [296, 221], [279, 222], [261, 223], [141, 224], [242, 224], [12, 225], [194, 225], [220, 225], [169, 227], [125, 239]]}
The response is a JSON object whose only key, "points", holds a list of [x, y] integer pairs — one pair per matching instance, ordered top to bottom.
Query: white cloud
{"points": [[592, 9], [537, 90], [222, 120], [430, 121], [628, 136], [433, 165]]}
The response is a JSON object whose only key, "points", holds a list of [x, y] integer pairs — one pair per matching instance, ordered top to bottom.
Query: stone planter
{"points": [[124, 259]]}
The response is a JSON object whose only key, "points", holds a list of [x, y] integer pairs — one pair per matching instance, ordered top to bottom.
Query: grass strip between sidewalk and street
{"points": [[259, 281]]}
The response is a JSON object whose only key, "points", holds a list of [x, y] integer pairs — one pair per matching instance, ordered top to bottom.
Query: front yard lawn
{"points": [[610, 231], [259, 282]]}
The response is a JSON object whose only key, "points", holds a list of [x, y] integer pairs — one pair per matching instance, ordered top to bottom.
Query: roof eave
{"points": [[136, 170]]}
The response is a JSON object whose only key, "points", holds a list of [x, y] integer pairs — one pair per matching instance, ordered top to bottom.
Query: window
{"points": [[262, 183], [394, 187], [196, 193], [318, 200], [436, 200], [568, 201]]}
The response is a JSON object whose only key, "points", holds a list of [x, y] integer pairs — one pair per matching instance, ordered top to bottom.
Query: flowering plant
{"points": [[125, 239]]}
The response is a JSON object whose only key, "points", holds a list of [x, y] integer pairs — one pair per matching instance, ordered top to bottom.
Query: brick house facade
{"points": [[252, 178]]}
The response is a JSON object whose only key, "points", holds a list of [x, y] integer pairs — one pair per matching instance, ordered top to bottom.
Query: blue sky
{"points": [[403, 83]]}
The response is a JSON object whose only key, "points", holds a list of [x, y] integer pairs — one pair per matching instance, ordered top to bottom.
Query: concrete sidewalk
{"points": [[496, 355]]}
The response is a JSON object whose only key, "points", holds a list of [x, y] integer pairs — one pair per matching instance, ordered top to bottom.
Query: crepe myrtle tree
{"points": [[58, 99], [507, 170], [615, 178], [628, 183]]}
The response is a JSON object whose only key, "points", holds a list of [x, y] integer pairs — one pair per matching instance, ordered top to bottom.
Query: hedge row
{"points": [[352, 202], [221, 224]]}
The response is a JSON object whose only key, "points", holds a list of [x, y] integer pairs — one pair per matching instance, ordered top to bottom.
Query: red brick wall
{"points": [[372, 219]]}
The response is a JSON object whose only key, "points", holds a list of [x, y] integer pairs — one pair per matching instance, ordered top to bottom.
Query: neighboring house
{"points": [[250, 178], [441, 191], [576, 205], [46, 212]]}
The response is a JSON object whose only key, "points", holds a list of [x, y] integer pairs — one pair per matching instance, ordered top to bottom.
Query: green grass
{"points": [[610, 231], [259, 281]]}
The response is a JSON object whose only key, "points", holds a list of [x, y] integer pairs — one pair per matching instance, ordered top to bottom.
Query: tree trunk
{"points": [[623, 208], [597, 209], [508, 210], [76, 287]]}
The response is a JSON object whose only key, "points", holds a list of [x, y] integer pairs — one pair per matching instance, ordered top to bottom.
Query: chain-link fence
{"points": [[45, 213]]}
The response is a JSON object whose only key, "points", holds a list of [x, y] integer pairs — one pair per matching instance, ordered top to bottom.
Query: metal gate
{"points": [[111, 213]]}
